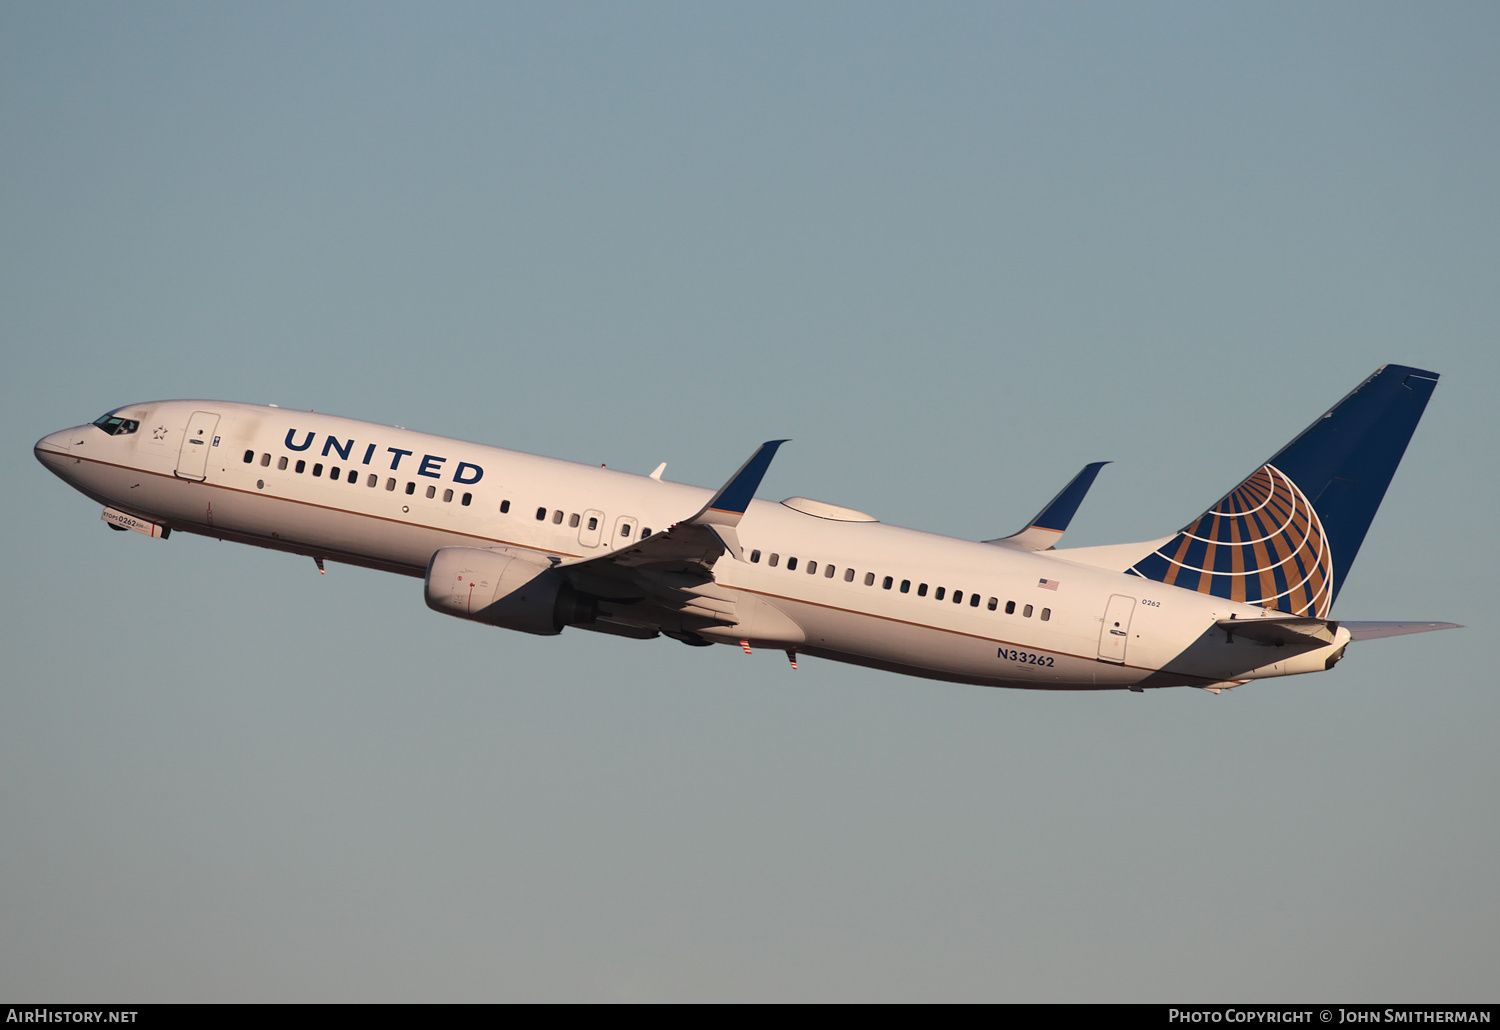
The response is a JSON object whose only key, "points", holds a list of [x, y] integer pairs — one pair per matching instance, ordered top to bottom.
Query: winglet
{"points": [[729, 504], [725, 509], [1044, 531]]}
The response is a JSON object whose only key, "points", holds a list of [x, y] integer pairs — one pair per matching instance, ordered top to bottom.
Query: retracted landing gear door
{"points": [[192, 460]]}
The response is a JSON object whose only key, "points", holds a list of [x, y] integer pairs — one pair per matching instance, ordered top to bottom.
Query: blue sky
{"points": [[953, 252]]}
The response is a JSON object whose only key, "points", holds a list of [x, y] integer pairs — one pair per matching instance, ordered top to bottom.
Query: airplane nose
{"points": [[52, 448]]}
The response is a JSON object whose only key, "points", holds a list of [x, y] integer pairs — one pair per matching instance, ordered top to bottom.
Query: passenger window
{"points": [[249, 457], [265, 461], [281, 463], [301, 466], [317, 469], [334, 473], [354, 476], [374, 479], [390, 484], [411, 488], [431, 492], [447, 495], [466, 499], [504, 507], [541, 514], [557, 517], [573, 521], [645, 532], [755, 557], [773, 559], [791, 564], [812, 568], [828, 571], [848, 575], [869, 579], [885, 584], [906, 586], [922, 590], [940, 593], [958, 597], [973, 600], [994, 603], [1010, 607], [1026, 612], [1046, 614]]}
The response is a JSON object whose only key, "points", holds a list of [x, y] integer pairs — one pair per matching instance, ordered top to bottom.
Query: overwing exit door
{"points": [[192, 460], [592, 529], [1115, 633]]}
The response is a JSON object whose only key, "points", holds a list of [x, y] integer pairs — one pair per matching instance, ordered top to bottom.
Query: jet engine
{"points": [[504, 590]]}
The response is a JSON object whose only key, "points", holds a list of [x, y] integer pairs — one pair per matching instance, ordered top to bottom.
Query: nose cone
{"points": [[52, 450]]}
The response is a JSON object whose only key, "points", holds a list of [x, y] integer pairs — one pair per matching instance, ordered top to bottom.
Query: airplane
{"points": [[536, 544]]}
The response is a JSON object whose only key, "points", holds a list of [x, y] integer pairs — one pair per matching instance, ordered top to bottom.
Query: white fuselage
{"points": [[186, 468]]}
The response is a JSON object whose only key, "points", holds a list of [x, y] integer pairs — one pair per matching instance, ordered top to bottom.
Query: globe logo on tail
{"points": [[1262, 544]]}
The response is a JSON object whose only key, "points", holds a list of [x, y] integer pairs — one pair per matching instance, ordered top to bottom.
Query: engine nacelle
{"points": [[503, 590]]}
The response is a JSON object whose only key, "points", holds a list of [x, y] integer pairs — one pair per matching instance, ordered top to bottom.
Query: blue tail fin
{"points": [[1285, 538]]}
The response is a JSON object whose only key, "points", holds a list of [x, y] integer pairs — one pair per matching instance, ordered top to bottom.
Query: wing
{"points": [[667, 579]]}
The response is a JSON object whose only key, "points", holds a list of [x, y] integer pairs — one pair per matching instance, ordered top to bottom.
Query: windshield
{"points": [[114, 425]]}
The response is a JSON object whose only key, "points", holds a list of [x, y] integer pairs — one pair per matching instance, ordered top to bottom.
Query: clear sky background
{"points": [[953, 251]]}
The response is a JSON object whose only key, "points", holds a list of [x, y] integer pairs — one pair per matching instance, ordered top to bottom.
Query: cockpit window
{"points": [[114, 425]]}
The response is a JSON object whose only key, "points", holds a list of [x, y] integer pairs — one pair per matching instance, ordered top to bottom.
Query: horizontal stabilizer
{"points": [[1046, 529], [1376, 630], [1310, 632], [1302, 633]]}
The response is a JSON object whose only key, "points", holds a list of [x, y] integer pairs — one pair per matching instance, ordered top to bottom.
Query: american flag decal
{"points": [[1049, 584]]}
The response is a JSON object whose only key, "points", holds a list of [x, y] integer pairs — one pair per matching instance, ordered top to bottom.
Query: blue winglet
{"points": [[735, 496], [1057, 514], [1046, 529]]}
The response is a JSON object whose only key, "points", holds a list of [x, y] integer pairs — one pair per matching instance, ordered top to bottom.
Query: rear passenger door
{"points": [[1115, 633]]}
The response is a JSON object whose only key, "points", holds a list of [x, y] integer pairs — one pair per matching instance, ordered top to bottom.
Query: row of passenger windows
{"points": [[371, 480], [575, 521], [958, 596]]}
